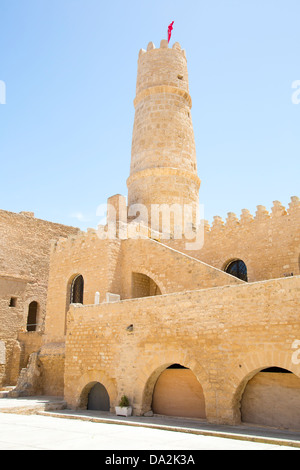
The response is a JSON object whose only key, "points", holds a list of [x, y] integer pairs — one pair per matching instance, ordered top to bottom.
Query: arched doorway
{"points": [[77, 288], [32, 316], [177, 392], [98, 398], [272, 398]]}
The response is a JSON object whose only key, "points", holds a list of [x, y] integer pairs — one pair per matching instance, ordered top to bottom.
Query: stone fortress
{"points": [[182, 318]]}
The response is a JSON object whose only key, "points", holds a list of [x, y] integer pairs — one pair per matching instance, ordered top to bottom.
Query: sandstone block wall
{"points": [[110, 265], [128, 268], [24, 269], [224, 335]]}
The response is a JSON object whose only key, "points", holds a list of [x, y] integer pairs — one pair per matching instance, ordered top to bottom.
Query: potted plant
{"points": [[124, 408]]}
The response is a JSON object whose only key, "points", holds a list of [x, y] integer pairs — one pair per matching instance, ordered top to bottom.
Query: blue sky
{"points": [[69, 67]]}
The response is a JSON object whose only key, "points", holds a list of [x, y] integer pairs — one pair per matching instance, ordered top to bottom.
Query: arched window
{"points": [[238, 269], [77, 286], [32, 316]]}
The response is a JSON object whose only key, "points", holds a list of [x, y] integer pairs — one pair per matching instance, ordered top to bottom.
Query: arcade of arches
{"points": [[270, 398]]}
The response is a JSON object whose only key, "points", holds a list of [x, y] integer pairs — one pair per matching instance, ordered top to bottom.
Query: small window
{"points": [[13, 302]]}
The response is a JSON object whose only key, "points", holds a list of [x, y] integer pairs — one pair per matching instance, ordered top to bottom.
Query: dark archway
{"points": [[77, 289], [32, 316], [98, 398]]}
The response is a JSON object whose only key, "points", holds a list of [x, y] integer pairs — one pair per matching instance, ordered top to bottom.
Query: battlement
{"points": [[163, 45], [162, 66], [261, 215], [137, 230], [122, 231], [80, 239]]}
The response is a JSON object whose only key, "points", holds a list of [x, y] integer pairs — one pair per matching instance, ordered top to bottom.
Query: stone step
{"points": [[6, 390], [32, 404]]}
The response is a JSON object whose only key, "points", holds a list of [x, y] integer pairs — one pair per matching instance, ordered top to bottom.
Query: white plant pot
{"points": [[123, 410]]}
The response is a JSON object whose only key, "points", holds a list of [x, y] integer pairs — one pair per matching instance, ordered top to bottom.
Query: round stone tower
{"points": [[163, 159]]}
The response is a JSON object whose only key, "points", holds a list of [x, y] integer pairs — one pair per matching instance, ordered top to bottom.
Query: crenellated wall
{"points": [[268, 242]]}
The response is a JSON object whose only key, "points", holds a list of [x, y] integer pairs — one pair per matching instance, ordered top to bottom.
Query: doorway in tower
{"points": [[177, 392], [98, 398], [272, 398]]}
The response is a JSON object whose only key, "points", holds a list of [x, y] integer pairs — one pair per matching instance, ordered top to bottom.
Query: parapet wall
{"points": [[162, 66], [262, 214], [268, 242]]}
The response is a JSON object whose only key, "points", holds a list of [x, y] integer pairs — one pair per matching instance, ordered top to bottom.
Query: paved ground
{"points": [[86, 430], [34, 432]]}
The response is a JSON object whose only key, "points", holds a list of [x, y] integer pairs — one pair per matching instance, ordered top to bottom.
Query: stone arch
{"points": [[153, 276], [71, 279], [77, 289], [248, 367], [153, 368], [87, 381], [178, 392], [95, 397]]}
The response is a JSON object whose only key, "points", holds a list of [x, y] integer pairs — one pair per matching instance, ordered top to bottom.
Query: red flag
{"points": [[170, 27]]}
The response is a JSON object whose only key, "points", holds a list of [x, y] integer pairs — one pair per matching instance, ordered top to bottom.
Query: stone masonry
{"points": [[130, 308]]}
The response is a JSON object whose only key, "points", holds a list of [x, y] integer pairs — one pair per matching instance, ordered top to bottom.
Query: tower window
{"points": [[238, 269], [13, 302]]}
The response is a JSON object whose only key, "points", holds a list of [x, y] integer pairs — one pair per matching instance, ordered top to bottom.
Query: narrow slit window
{"points": [[13, 302]]}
